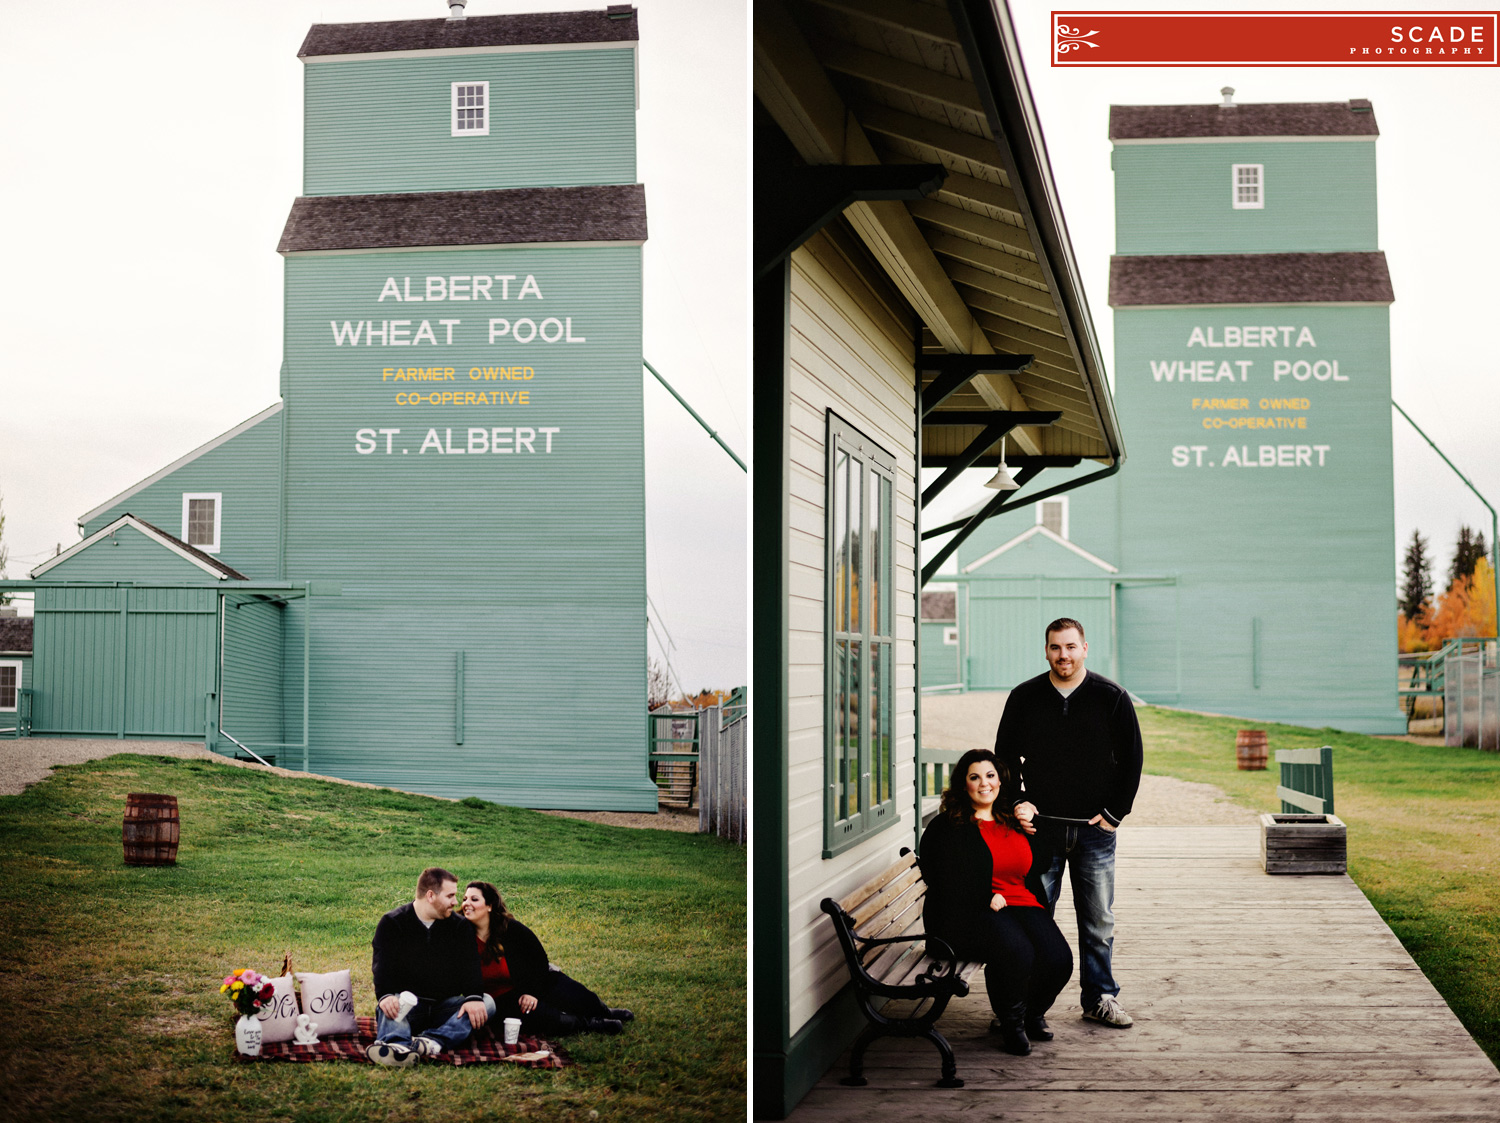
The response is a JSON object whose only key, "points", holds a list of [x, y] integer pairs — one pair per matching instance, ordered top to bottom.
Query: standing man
{"points": [[1072, 738], [427, 949]]}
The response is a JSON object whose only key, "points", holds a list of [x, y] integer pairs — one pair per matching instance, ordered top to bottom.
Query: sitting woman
{"points": [[984, 899], [519, 978]]}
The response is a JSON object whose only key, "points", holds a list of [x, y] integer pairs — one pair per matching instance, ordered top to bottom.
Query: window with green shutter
{"points": [[859, 630]]}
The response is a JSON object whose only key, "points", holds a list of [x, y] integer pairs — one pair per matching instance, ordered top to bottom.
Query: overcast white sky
{"points": [[151, 152], [1438, 160]]}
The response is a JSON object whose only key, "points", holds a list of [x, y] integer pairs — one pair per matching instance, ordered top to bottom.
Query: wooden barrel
{"points": [[1250, 750], [150, 829]]}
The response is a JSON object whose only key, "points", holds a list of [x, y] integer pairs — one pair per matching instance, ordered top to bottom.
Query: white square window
{"points": [[471, 109], [1247, 187], [202, 513], [1053, 514], [950, 637], [10, 685]]}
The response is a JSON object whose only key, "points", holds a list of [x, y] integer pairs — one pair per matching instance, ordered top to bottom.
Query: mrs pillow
{"points": [[328, 1000], [278, 1017]]}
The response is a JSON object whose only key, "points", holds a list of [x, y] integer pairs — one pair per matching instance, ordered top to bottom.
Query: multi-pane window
{"points": [[471, 109], [1248, 186], [202, 515], [860, 638], [10, 685]]}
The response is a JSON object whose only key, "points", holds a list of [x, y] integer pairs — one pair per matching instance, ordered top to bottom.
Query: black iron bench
{"points": [[888, 957]]}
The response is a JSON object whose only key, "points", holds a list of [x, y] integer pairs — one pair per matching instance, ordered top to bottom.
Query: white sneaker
{"points": [[1108, 1011], [426, 1046], [392, 1054]]}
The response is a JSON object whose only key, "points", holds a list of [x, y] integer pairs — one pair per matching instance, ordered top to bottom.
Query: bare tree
{"points": [[658, 684]]}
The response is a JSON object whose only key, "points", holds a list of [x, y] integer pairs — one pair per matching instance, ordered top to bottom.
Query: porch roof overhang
{"points": [[874, 86]]}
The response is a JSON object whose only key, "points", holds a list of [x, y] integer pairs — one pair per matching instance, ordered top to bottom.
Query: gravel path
{"points": [[968, 721], [30, 760]]}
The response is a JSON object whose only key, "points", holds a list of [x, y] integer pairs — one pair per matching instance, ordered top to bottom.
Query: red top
{"points": [[1012, 857], [496, 973]]}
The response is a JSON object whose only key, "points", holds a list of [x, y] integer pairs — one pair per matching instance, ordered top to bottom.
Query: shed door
{"points": [[1006, 616]]}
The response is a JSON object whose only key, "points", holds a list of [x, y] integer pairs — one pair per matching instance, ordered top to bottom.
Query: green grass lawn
{"points": [[1424, 838], [110, 973]]}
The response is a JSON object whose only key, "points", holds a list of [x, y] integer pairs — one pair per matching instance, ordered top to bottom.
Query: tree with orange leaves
{"points": [[1466, 609]]}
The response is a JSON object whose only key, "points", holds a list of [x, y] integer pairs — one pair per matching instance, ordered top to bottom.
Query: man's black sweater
{"points": [[1082, 754], [434, 963]]}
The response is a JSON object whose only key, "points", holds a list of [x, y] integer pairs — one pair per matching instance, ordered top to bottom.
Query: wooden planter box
{"points": [[1303, 844]]}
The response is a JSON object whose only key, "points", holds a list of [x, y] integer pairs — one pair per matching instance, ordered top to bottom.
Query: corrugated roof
{"points": [[618, 25], [1319, 118], [611, 213], [1250, 278], [15, 633]]}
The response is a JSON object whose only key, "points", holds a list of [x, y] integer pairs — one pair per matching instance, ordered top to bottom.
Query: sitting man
{"points": [[426, 949]]}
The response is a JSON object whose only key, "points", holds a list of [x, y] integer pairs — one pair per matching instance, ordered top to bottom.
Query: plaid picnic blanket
{"points": [[483, 1047]]}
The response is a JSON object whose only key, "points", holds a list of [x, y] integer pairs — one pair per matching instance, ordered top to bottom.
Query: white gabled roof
{"points": [[222, 438], [1044, 532], [160, 537]]}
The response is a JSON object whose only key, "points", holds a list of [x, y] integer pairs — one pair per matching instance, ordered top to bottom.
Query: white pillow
{"points": [[328, 1000], [278, 1017]]}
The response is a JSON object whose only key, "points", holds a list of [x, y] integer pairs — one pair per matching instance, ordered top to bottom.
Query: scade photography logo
{"points": [[1274, 38]]}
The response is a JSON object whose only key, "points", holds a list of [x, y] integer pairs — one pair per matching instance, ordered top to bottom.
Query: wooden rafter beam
{"points": [[901, 15], [896, 74], [791, 84]]}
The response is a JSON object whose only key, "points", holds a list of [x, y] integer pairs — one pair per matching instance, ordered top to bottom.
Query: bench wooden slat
{"points": [[893, 890], [857, 898]]}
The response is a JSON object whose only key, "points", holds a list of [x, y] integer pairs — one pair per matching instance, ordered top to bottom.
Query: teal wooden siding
{"points": [[558, 118], [1175, 198], [245, 470], [1283, 537], [129, 555], [530, 563], [1006, 617], [124, 661], [940, 665], [251, 683]]}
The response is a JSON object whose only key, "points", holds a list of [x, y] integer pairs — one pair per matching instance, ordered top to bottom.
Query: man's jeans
{"points": [[1089, 852], [444, 1022]]}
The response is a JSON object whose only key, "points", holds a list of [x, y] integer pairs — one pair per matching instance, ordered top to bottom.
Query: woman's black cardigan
{"points": [[959, 871], [526, 959]]}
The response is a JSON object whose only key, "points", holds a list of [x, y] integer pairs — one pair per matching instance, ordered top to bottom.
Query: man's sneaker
{"points": [[1108, 1011], [426, 1046], [392, 1054]]}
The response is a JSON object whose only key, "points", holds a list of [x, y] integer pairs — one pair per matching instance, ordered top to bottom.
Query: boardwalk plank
{"points": [[1256, 998]]}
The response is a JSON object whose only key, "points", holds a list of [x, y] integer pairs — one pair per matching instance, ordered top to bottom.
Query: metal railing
{"points": [[1471, 693]]}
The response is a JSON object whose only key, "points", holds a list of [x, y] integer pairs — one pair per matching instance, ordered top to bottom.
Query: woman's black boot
{"points": [[1010, 1025], [1036, 1028]]}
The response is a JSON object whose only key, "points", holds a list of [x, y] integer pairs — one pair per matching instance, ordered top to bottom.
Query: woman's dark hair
{"points": [[956, 803], [500, 917]]}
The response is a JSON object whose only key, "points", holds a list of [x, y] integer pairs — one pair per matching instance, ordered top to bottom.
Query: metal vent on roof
{"points": [[456, 9], [1228, 102]]}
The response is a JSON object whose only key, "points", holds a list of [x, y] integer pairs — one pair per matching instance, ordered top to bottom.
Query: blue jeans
{"points": [[1089, 853], [444, 1022]]}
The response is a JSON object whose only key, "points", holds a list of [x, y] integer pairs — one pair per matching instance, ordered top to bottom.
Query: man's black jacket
{"points": [[433, 963]]}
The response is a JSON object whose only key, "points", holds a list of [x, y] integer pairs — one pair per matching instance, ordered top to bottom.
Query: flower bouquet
{"points": [[249, 991]]}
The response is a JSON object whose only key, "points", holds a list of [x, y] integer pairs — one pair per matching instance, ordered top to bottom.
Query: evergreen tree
{"points": [[1471, 547], [1416, 575]]}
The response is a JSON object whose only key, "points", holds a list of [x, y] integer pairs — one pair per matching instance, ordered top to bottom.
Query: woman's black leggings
{"points": [[1025, 957], [563, 1006]]}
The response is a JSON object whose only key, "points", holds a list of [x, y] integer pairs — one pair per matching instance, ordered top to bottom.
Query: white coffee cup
{"points": [[408, 1003], [512, 1030]]}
